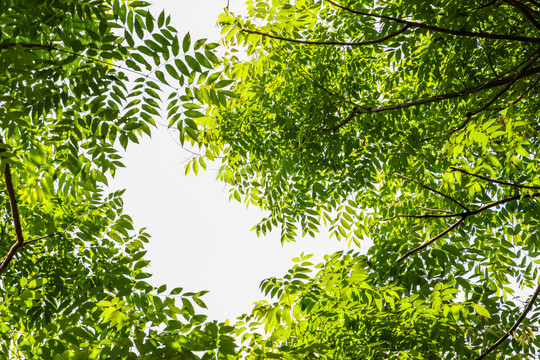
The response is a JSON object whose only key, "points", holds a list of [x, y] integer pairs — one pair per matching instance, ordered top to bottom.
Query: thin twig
{"points": [[535, 3], [463, 33], [338, 43], [525, 93], [496, 181], [435, 191], [13, 201], [435, 210], [466, 213], [51, 235], [43, 237], [427, 243], [514, 327]]}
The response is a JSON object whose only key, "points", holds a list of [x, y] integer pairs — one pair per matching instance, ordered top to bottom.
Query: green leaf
{"points": [[186, 43], [198, 44], [175, 46], [202, 60], [193, 63], [182, 67], [172, 71], [480, 310]]}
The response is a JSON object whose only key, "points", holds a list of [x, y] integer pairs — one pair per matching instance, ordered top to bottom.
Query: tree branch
{"points": [[535, 3], [525, 10], [462, 33], [339, 43], [27, 45], [461, 93], [490, 101], [495, 181], [435, 191], [13, 201], [503, 201], [14, 213], [463, 215], [51, 235], [43, 237], [427, 243], [514, 327]]}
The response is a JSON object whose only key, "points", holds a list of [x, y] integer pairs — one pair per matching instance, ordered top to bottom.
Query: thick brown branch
{"points": [[535, 3], [527, 8], [463, 33], [338, 43], [461, 93], [469, 115], [496, 181], [435, 191], [13, 202], [465, 213], [15, 215], [427, 243], [11, 253], [514, 327]]}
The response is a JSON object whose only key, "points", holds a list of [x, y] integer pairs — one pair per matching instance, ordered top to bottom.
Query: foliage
{"points": [[78, 80], [410, 123]]}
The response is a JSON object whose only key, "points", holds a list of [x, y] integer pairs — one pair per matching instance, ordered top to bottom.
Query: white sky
{"points": [[200, 239]]}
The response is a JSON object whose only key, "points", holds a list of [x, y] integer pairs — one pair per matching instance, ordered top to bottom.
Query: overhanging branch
{"points": [[462, 33], [335, 43], [498, 81], [469, 115], [13, 201], [14, 213], [447, 214], [432, 240], [514, 327]]}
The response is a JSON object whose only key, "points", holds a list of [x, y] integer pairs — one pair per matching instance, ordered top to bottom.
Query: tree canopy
{"points": [[78, 80], [410, 123], [413, 124]]}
